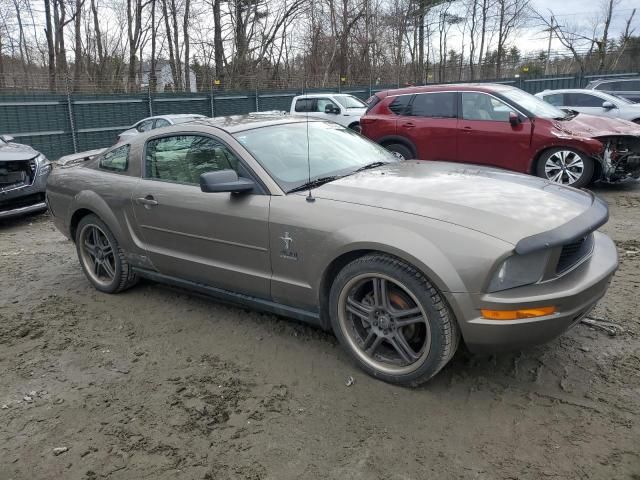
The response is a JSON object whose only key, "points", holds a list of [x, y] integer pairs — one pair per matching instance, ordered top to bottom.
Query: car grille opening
{"points": [[15, 174], [572, 253]]}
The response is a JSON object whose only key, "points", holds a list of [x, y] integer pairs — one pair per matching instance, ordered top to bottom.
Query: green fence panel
{"points": [[276, 101], [196, 103], [234, 104]]}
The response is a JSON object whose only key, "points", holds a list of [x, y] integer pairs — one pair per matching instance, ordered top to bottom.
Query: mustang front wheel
{"points": [[566, 167], [102, 259], [391, 320]]}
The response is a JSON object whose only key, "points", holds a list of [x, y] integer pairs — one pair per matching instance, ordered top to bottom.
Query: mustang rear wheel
{"points": [[566, 167], [101, 258], [391, 320]]}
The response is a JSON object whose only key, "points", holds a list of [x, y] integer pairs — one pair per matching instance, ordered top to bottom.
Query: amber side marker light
{"points": [[517, 314]]}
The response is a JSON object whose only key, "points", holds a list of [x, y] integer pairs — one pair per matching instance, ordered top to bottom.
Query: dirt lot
{"points": [[158, 383]]}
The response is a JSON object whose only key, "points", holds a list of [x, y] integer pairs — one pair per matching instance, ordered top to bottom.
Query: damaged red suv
{"points": [[504, 127]]}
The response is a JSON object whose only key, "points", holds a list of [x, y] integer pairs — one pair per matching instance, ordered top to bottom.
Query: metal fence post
{"points": [[150, 101], [257, 103], [213, 104], [70, 111]]}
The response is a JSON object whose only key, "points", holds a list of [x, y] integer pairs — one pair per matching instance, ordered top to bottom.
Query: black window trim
{"points": [[112, 170], [261, 189]]}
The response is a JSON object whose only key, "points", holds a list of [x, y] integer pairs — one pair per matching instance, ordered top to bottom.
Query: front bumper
{"points": [[23, 200], [573, 295]]}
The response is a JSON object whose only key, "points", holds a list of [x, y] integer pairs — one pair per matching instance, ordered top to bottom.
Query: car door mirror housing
{"points": [[608, 105], [331, 109], [514, 119], [6, 138], [225, 181]]}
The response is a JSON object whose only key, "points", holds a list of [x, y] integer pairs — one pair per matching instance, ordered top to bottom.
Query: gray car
{"points": [[628, 88], [593, 102], [159, 121], [23, 177], [307, 219]]}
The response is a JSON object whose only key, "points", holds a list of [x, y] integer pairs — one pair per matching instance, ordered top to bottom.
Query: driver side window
{"points": [[321, 104], [480, 106], [145, 126], [183, 158]]}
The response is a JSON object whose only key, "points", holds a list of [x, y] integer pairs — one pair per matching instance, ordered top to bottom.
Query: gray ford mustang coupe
{"points": [[307, 219]]}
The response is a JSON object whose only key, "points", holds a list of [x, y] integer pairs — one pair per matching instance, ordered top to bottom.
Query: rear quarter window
{"points": [[399, 104], [117, 160]]}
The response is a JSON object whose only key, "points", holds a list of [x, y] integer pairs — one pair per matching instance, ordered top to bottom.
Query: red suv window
{"points": [[400, 104], [434, 105]]}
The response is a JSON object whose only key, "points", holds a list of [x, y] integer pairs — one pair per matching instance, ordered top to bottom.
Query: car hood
{"points": [[583, 125], [10, 152], [505, 205]]}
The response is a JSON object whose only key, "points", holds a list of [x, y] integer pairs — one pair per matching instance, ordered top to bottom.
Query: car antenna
{"points": [[310, 197]]}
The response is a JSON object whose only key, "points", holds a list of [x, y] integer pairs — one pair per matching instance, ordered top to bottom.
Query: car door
{"points": [[588, 103], [430, 123], [487, 137], [217, 239]]}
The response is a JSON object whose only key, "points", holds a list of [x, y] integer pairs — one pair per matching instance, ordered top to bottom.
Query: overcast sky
{"points": [[577, 12]]}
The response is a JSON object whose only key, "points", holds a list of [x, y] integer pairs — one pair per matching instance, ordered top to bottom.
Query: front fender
{"points": [[453, 258]]}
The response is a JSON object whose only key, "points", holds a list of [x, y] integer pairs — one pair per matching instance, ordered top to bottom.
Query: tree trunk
{"points": [[185, 34], [217, 42], [50, 47], [172, 60], [77, 67], [152, 72]]}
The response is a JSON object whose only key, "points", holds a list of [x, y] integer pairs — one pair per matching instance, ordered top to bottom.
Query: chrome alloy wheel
{"points": [[565, 167], [98, 256], [384, 323]]}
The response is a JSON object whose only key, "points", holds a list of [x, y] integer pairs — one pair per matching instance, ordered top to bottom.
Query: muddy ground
{"points": [[156, 383]]}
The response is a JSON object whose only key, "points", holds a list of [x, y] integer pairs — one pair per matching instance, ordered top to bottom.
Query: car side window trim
{"points": [[103, 156], [260, 187]]}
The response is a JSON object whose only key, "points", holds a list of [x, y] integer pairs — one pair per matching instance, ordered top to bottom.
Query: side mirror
{"points": [[608, 105], [331, 109], [514, 119], [6, 138], [224, 181]]}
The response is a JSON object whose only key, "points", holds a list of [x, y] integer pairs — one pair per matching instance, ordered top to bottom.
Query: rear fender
{"points": [[89, 200]]}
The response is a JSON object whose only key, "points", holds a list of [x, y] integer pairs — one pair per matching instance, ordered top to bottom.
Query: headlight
{"points": [[44, 165], [519, 270]]}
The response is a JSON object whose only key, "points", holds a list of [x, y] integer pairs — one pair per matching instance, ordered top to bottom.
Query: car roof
{"points": [[599, 81], [470, 87], [574, 90], [324, 94], [172, 116], [239, 123]]}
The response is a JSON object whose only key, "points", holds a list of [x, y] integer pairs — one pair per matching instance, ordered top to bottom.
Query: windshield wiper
{"points": [[369, 166], [315, 183]]}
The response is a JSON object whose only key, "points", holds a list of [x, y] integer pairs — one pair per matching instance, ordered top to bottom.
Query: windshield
{"points": [[349, 101], [536, 106], [332, 150]]}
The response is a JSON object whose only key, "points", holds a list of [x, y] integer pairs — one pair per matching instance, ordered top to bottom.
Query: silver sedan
{"points": [[593, 102], [151, 123]]}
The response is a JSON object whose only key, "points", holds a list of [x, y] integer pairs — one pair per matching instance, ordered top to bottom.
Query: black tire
{"points": [[356, 127], [401, 151], [552, 156], [122, 274], [438, 336]]}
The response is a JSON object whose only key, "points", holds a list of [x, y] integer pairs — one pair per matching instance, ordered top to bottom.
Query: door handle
{"points": [[408, 125], [467, 129], [147, 201]]}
